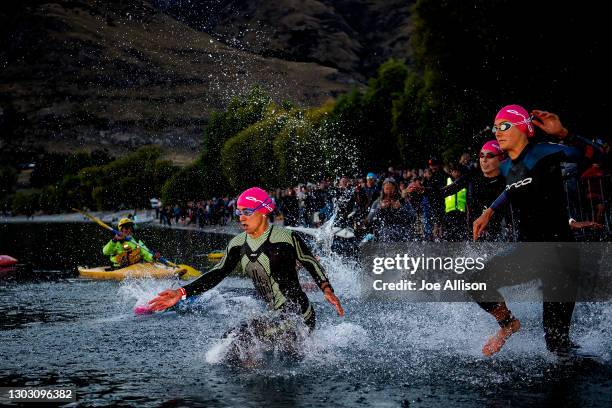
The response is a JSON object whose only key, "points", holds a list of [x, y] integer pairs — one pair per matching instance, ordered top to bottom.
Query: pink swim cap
{"points": [[518, 116], [492, 146], [256, 197]]}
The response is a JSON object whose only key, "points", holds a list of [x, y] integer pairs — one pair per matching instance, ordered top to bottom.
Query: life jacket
{"points": [[457, 201], [129, 256]]}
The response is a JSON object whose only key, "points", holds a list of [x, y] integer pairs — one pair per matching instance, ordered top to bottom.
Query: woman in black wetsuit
{"points": [[484, 185], [534, 188], [268, 254]]}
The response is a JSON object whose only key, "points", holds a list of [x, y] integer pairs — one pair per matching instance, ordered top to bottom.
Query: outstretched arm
{"points": [[458, 184], [210, 279]]}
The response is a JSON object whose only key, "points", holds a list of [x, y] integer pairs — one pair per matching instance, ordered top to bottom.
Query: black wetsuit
{"points": [[534, 188], [270, 261]]}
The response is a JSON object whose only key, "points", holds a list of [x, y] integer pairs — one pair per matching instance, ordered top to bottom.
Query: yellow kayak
{"points": [[216, 255], [136, 271]]}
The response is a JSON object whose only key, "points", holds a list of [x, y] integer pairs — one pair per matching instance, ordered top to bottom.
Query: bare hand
{"points": [[549, 123], [481, 223], [333, 299], [164, 300]]}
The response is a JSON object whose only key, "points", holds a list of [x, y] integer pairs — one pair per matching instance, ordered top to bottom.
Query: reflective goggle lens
{"points": [[247, 211]]}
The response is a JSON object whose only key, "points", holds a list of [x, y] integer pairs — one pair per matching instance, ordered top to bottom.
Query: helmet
{"points": [[371, 176], [125, 222]]}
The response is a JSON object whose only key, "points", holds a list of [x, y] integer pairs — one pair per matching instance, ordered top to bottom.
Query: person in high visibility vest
{"points": [[457, 201], [455, 205]]}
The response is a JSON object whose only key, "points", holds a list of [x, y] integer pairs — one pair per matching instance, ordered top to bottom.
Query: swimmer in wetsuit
{"points": [[483, 186], [534, 188], [268, 254]]}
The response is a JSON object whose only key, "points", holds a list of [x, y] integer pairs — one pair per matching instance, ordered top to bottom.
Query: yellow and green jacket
{"points": [[123, 253]]}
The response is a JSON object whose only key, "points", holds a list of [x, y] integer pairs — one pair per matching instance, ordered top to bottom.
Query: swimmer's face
{"points": [[510, 138], [489, 161], [253, 222]]}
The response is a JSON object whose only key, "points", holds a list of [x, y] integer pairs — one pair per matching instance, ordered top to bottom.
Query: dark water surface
{"points": [[82, 333]]}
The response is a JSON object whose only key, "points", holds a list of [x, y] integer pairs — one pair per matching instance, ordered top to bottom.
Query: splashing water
{"points": [[392, 353]]}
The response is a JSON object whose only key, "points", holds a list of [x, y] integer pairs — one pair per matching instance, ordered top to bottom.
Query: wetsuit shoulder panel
{"points": [[541, 150], [504, 167], [281, 234]]}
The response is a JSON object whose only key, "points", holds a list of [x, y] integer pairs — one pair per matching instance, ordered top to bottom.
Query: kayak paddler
{"points": [[122, 248]]}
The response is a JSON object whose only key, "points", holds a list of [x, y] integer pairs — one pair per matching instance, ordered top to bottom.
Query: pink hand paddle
{"points": [[143, 310]]}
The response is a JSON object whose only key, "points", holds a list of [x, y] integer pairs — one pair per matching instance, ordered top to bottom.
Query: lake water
{"points": [[82, 333]]}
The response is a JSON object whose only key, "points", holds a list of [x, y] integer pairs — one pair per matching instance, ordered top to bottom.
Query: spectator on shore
{"points": [[434, 180], [455, 209], [391, 219]]}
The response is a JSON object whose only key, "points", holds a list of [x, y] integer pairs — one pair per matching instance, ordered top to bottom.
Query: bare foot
{"points": [[495, 343]]}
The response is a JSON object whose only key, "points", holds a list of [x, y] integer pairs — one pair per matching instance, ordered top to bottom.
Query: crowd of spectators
{"points": [[396, 204], [217, 211]]}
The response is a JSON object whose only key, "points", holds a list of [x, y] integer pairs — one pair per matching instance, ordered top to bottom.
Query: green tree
{"points": [[378, 99], [242, 112], [303, 149], [248, 158], [51, 167], [129, 181], [187, 184], [26, 202]]}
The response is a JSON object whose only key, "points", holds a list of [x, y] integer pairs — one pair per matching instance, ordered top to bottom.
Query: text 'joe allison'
{"points": [[411, 265]]}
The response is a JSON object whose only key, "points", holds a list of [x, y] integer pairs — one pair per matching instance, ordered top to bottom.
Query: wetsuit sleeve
{"points": [[500, 201], [305, 257], [215, 275]]}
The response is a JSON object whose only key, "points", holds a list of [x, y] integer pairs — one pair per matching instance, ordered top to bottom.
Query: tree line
{"points": [[469, 59]]}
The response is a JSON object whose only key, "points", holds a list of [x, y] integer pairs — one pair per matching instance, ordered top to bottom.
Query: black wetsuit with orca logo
{"points": [[535, 190]]}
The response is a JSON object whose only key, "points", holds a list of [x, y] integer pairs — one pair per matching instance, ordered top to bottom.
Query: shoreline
{"points": [[144, 218]]}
